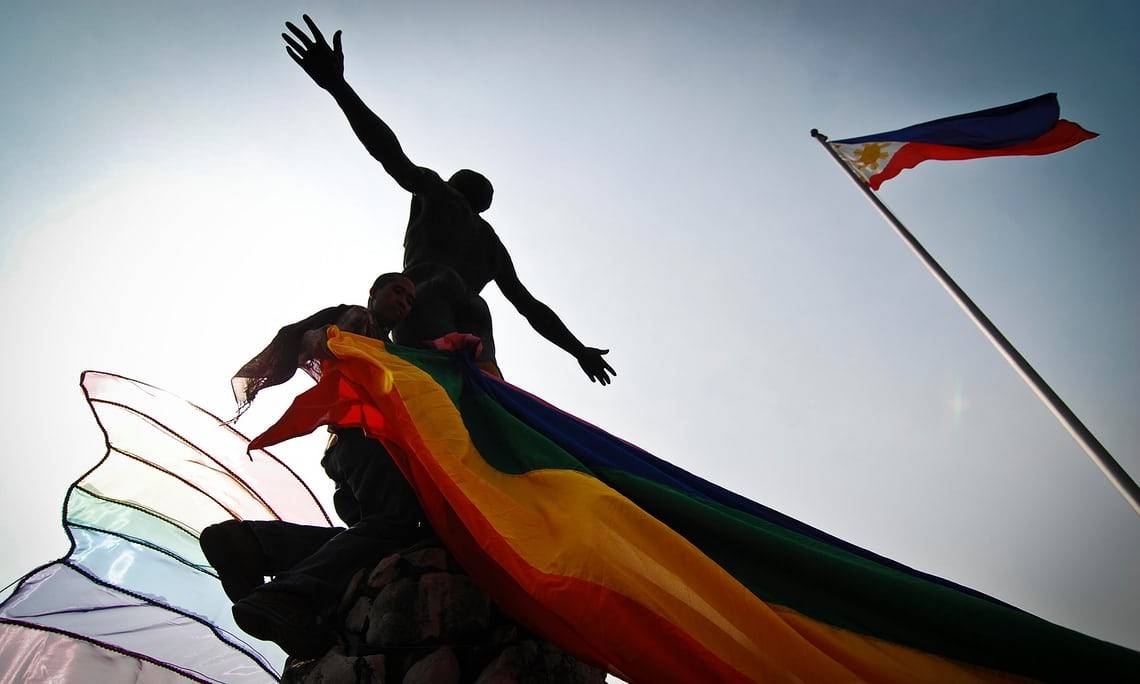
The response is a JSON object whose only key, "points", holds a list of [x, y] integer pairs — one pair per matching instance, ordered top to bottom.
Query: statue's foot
{"points": [[235, 553], [286, 620]]}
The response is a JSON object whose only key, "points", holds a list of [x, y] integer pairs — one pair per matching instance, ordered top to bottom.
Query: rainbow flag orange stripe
{"points": [[649, 571]]}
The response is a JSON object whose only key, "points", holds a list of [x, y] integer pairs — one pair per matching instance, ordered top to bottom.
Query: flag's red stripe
{"points": [[1062, 136]]}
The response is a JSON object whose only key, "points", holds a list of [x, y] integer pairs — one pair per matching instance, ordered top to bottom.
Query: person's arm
{"points": [[325, 65], [547, 323], [314, 343], [297, 345]]}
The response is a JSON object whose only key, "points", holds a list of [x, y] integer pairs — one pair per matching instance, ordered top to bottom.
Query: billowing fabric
{"points": [[1030, 127], [651, 572], [134, 599], [31, 654]]}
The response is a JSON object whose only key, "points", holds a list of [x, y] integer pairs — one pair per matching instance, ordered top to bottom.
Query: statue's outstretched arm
{"points": [[325, 65], [547, 323]]}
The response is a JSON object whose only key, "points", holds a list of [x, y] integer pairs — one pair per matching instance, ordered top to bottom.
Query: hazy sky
{"points": [[173, 189]]}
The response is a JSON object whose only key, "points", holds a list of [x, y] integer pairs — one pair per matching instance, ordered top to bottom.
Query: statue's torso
{"points": [[443, 230], [450, 253]]}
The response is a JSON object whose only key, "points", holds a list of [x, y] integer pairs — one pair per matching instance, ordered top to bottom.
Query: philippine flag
{"points": [[1030, 127]]}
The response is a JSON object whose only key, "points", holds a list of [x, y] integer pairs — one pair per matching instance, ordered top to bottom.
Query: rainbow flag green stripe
{"points": [[651, 572]]}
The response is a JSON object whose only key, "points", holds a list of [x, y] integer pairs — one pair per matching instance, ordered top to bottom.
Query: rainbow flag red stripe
{"points": [[649, 571]]}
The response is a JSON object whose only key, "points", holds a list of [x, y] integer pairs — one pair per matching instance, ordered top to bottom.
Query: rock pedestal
{"points": [[416, 618]]}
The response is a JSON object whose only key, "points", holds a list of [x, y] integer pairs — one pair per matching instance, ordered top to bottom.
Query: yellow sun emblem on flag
{"points": [[870, 154]]}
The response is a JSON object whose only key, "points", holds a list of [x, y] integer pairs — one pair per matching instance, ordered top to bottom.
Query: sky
{"points": [[173, 189]]}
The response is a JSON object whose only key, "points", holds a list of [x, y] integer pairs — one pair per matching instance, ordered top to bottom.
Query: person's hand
{"points": [[324, 64], [356, 320], [314, 346], [591, 361]]}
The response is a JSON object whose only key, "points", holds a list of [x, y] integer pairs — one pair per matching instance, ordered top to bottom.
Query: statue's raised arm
{"points": [[325, 65], [450, 251], [547, 323]]}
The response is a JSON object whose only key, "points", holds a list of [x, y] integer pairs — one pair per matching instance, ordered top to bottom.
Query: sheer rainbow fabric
{"points": [[134, 599]]}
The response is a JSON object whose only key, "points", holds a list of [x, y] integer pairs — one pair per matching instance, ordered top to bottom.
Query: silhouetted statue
{"points": [[450, 252]]}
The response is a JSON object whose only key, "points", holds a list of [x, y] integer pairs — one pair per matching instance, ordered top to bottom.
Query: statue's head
{"points": [[474, 187], [391, 298]]}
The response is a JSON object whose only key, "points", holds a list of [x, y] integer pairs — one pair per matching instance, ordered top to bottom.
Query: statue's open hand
{"points": [[322, 63], [591, 361]]}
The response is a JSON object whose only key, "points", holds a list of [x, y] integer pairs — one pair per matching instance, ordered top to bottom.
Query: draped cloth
{"points": [[649, 571], [134, 600]]}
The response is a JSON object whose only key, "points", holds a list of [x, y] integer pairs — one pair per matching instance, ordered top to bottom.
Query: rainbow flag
{"points": [[1029, 127], [651, 572], [134, 599]]}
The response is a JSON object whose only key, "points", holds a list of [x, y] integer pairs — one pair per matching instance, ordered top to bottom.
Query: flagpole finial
{"points": [[819, 136]]}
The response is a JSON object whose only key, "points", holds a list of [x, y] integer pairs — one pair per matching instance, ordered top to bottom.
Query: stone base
{"points": [[416, 618]]}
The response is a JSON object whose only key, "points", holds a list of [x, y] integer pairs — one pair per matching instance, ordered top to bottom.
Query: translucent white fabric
{"points": [[136, 436], [264, 477], [124, 479], [88, 510], [167, 581], [61, 599], [134, 599], [33, 655]]}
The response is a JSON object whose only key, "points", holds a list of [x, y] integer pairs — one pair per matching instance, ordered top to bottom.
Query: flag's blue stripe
{"points": [[985, 130], [599, 450]]}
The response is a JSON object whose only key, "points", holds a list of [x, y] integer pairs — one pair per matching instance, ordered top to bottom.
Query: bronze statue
{"points": [[450, 252]]}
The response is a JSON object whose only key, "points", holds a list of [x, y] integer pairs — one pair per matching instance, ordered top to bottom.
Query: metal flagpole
{"points": [[1096, 451]]}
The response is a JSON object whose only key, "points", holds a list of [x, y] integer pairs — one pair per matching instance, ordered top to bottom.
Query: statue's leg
{"points": [[475, 319]]}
